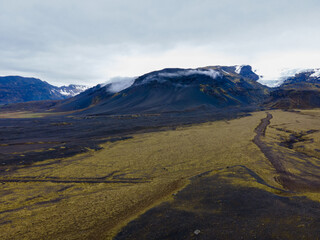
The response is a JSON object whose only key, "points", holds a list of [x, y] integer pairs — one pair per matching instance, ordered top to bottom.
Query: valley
{"points": [[159, 120], [219, 177]]}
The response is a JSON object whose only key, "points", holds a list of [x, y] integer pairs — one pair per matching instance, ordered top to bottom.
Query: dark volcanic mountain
{"points": [[15, 89], [171, 90], [300, 91]]}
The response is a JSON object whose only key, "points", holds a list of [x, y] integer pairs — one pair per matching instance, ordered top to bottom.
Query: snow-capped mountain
{"points": [[282, 77], [304, 78], [15, 89], [300, 89], [72, 90]]}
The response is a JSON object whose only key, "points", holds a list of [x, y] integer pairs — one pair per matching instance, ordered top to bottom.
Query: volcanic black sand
{"points": [[27, 140], [220, 210]]}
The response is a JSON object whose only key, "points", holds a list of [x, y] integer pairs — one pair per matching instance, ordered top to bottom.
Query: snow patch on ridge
{"points": [[238, 68], [225, 72], [316, 73], [81, 88], [71, 90], [65, 93]]}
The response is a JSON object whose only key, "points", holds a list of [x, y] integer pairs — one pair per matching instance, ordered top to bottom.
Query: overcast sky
{"points": [[89, 42]]}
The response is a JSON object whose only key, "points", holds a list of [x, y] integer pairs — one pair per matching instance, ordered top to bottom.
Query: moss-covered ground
{"points": [[95, 194]]}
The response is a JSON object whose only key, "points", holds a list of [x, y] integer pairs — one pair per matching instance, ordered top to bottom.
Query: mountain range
{"points": [[211, 88], [16, 89]]}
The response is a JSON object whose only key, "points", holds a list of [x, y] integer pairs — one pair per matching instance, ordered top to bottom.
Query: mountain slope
{"points": [[16, 89], [88, 98]]}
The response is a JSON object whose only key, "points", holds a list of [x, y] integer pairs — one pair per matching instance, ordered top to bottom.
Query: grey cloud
{"points": [[80, 40]]}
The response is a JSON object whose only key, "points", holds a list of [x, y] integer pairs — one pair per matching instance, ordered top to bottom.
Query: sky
{"points": [[91, 42]]}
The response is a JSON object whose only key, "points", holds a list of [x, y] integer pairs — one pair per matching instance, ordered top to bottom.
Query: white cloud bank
{"points": [[184, 73], [162, 76], [118, 84]]}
